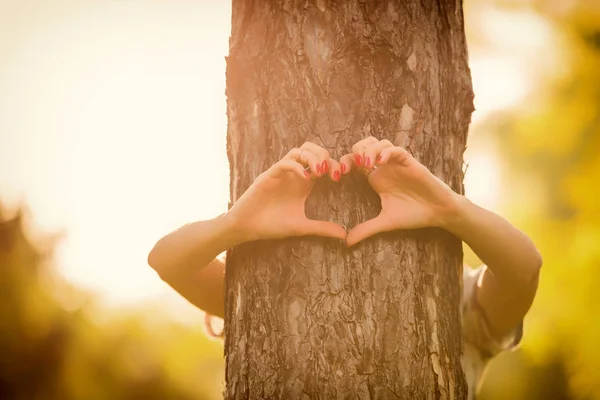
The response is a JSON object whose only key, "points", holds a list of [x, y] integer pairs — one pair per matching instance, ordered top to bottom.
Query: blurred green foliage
{"points": [[551, 161], [47, 352]]}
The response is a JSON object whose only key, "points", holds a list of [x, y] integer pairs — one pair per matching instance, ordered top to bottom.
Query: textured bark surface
{"points": [[309, 318]]}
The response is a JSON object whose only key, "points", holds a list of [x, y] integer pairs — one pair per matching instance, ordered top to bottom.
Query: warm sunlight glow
{"points": [[516, 52], [507, 61], [113, 128], [117, 135], [483, 177]]}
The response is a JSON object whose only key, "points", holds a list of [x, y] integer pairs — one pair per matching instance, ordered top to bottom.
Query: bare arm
{"points": [[412, 198], [273, 207], [185, 259], [507, 287]]}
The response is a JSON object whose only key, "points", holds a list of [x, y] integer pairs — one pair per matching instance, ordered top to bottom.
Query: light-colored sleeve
{"points": [[209, 321], [475, 327]]}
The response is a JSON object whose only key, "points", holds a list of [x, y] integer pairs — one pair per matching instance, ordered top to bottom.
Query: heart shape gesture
{"points": [[411, 196], [273, 206]]}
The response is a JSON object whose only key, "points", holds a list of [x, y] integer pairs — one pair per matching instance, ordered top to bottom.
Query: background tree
{"points": [[309, 317]]}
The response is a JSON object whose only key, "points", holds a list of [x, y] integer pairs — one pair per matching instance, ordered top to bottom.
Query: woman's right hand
{"points": [[273, 206]]}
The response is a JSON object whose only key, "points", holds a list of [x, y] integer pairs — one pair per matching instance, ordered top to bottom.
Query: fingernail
{"points": [[358, 159], [368, 162], [324, 166], [343, 168], [306, 174], [336, 176]]}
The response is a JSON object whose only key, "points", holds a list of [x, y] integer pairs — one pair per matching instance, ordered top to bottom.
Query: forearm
{"points": [[193, 246], [509, 253]]}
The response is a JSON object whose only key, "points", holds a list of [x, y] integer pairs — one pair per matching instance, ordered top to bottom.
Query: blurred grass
{"points": [[50, 353]]}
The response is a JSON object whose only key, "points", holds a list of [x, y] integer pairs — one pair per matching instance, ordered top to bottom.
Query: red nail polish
{"points": [[358, 159], [368, 162], [324, 166], [343, 168], [306, 173], [336, 176]]}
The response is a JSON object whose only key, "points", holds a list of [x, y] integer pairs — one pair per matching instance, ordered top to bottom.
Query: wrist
{"points": [[455, 213], [233, 231]]}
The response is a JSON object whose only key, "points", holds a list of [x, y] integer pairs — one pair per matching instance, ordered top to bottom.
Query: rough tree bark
{"points": [[309, 318]]}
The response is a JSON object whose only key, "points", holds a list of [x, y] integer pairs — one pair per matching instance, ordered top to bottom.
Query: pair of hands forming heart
{"points": [[411, 196]]}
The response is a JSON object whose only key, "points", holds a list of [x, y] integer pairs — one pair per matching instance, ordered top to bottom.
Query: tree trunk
{"points": [[310, 318]]}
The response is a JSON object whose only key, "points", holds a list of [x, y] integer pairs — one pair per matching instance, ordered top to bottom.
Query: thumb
{"points": [[322, 228], [368, 228]]}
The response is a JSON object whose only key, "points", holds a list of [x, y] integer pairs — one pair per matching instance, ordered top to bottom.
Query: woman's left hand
{"points": [[411, 196]]}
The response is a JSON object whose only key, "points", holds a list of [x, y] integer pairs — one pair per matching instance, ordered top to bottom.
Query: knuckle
{"points": [[386, 142], [370, 149], [293, 151], [404, 154]]}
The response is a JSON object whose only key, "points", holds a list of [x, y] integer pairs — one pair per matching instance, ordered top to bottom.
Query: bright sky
{"points": [[112, 125]]}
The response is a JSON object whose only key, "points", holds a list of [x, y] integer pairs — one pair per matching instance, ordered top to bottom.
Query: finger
{"points": [[362, 144], [359, 151], [320, 152], [372, 152], [395, 154], [306, 158], [310, 159], [346, 163], [287, 165], [335, 170], [321, 228], [367, 229]]}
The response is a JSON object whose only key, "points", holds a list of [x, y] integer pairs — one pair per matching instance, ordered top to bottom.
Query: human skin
{"points": [[411, 198]]}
